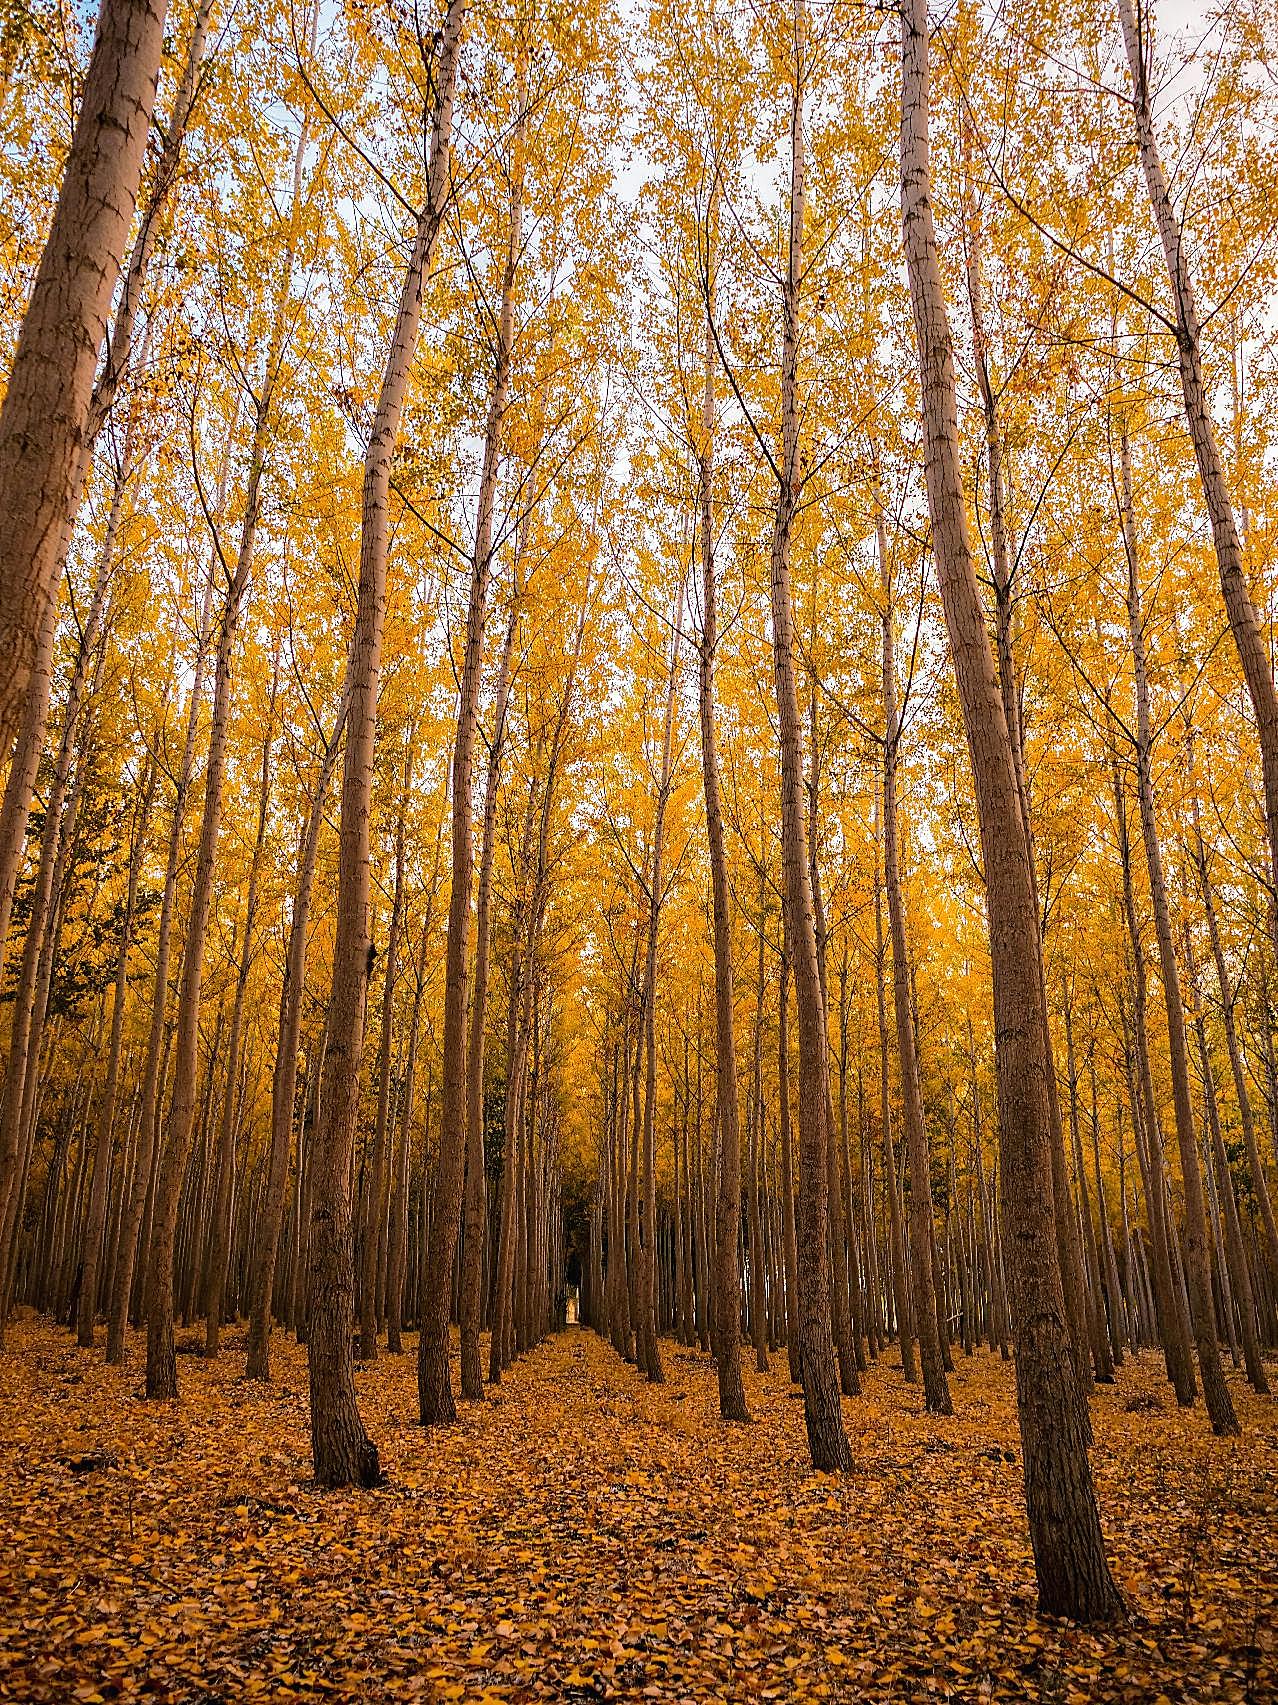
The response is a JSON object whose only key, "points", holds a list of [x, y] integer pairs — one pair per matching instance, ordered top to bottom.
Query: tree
{"points": [[1069, 1555]]}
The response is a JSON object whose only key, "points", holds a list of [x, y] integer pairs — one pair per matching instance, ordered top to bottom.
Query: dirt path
{"points": [[583, 1536]]}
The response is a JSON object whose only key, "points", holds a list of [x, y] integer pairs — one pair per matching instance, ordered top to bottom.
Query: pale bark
{"points": [[46, 404]]}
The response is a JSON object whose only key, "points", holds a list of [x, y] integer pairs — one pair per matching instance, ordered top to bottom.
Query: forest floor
{"points": [[584, 1536]]}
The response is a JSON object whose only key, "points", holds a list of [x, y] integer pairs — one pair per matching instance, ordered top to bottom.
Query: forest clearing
{"points": [[639, 850], [586, 1535]]}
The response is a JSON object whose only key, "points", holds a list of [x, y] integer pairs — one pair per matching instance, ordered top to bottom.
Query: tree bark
{"points": [[46, 404], [1244, 624], [284, 1074], [474, 1199], [95, 1223], [1197, 1260], [433, 1376], [936, 1391], [827, 1439], [343, 1452], [1069, 1554]]}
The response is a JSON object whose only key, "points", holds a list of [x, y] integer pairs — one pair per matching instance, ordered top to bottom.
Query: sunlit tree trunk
{"points": [[46, 403]]}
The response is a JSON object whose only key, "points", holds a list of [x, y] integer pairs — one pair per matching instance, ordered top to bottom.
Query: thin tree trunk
{"points": [[1243, 622], [154, 1068], [284, 1075], [105, 1136], [474, 1201], [377, 1205], [896, 1237], [219, 1253], [1235, 1268], [1197, 1269], [1173, 1325], [161, 1364], [433, 1376], [936, 1391], [827, 1439], [344, 1454]]}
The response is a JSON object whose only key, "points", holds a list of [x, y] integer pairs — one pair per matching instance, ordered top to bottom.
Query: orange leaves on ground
{"points": [[583, 1536]]}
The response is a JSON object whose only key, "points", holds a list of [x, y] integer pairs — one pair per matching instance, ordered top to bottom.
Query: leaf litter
{"points": [[585, 1536]]}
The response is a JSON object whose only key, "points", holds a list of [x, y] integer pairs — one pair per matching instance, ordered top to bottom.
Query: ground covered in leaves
{"points": [[583, 1536]]}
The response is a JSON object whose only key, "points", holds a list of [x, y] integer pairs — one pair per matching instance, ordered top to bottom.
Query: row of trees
{"points": [[462, 489]]}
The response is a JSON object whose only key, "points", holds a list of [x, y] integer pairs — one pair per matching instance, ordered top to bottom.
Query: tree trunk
{"points": [[50, 389], [1253, 651], [153, 1071], [284, 1075], [1246, 1115], [474, 1200], [377, 1205], [95, 1224], [896, 1237], [219, 1252], [1235, 1266], [1197, 1268], [161, 1365], [433, 1377], [936, 1391], [827, 1440], [343, 1452], [1073, 1574]]}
